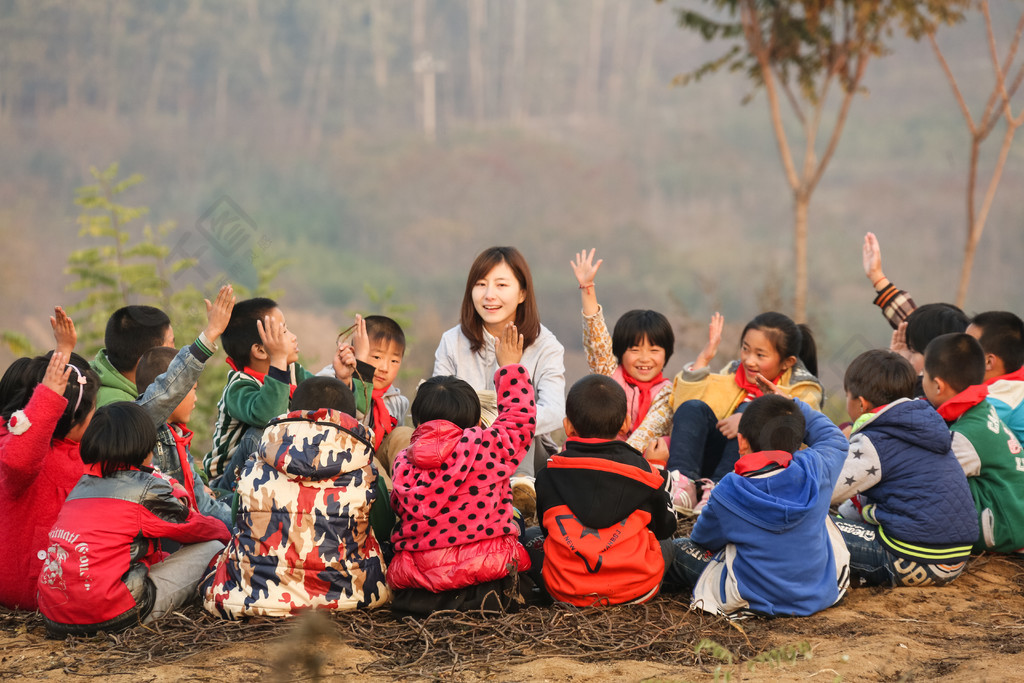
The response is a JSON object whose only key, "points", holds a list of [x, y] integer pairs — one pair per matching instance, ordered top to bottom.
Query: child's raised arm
{"points": [[585, 270], [63, 331], [277, 342], [508, 348], [710, 349], [57, 373]]}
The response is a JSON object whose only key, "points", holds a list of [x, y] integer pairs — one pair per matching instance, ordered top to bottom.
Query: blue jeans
{"points": [[697, 448], [688, 561], [871, 564]]}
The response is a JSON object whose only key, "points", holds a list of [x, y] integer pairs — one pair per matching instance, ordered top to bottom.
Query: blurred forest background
{"points": [[371, 148]]}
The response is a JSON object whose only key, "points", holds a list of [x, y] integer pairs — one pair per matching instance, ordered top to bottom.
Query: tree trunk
{"points": [[116, 26], [379, 42], [419, 46], [476, 62], [517, 64], [618, 67], [156, 81], [323, 88], [586, 91], [801, 201]]}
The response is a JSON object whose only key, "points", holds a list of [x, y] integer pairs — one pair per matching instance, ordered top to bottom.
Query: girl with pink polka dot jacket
{"points": [[455, 539]]}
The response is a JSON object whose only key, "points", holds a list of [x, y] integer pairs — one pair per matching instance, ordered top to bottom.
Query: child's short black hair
{"points": [[929, 321], [639, 324], [382, 329], [131, 331], [241, 332], [1002, 335], [957, 359], [153, 364], [880, 376], [317, 393], [446, 397], [596, 407], [773, 423], [120, 436]]}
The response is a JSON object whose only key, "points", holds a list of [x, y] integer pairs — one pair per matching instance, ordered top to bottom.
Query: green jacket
{"points": [[113, 385], [992, 459]]}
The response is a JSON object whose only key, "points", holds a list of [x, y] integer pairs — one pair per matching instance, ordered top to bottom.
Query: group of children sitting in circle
{"points": [[316, 495]]}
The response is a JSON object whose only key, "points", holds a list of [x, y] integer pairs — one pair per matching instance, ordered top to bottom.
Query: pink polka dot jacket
{"points": [[452, 496]]}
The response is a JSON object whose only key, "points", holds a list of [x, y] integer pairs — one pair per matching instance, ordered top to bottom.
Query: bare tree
{"points": [[997, 108]]}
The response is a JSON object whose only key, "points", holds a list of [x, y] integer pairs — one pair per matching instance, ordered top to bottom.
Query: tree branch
{"points": [[993, 52], [952, 82], [844, 109]]}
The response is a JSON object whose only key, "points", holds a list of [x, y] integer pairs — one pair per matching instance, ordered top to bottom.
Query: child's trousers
{"points": [[697, 448], [872, 565], [177, 576]]}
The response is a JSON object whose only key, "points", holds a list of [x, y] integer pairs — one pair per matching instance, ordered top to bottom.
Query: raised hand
{"points": [[872, 258], [585, 270], [219, 313], [63, 331], [361, 340], [898, 343], [279, 345], [508, 348], [710, 349], [344, 363], [57, 372]]}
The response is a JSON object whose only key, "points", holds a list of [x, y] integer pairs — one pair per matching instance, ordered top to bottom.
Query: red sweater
{"points": [[36, 475]]}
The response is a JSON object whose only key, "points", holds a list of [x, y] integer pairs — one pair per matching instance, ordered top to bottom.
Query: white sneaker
{"points": [[706, 487], [682, 492]]}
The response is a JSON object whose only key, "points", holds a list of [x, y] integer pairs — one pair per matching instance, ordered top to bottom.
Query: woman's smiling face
{"points": [[496, 296]]}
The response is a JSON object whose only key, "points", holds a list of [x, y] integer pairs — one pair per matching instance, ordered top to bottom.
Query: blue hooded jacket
{"points": [[785, 563]]}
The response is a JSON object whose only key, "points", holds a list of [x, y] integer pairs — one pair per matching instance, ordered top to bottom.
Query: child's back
{"points": [[303, 535]]}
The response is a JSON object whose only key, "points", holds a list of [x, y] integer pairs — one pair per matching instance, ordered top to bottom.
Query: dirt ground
{"points": [[970, 631]]}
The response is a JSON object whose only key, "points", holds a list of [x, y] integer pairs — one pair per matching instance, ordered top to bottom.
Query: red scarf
{"points": [[261, 376], [1017, 376], [753, 391], [646, 394], [952, 409], [383, 422], [181, 443], [755, 462]]}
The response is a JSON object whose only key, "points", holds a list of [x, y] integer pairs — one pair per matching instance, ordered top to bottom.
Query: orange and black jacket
{"points": [[603, 510]]}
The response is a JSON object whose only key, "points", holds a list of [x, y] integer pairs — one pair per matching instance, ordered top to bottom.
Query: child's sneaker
{"points": [[706, 487], [682, 492], [524, 499]]}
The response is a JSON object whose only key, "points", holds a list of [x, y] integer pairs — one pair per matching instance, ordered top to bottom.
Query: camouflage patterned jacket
{"points": [[303, 537]]}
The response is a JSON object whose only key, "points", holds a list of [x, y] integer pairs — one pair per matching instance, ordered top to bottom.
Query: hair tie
{"points": [[82, 381]]}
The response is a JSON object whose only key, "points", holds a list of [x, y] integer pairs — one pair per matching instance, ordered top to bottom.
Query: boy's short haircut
{"points": [[929, 321], [639, 324], [384, 330], [131, 331], [241, 332], [1002, 335], [957, 359], [153, 364], [880, 376], [317, 393], [446, 397], [596, 407], [773, 423], [120, 436]]}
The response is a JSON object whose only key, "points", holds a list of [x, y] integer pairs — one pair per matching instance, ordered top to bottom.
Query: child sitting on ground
{"points": [[131, 331], [1001, 335], [378, 345], [262, 354], [634, 355], [954, 368], [708, 406], [172, 455], [603, 508], [916, 520], [304, 538], [456, 544], [765, 544], [104, 569]]}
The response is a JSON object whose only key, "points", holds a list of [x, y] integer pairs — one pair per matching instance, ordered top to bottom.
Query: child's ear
{"points": [[258, 352], [787, 363], [866, 406], [626, 425], [567, 426], [744, 445]]}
